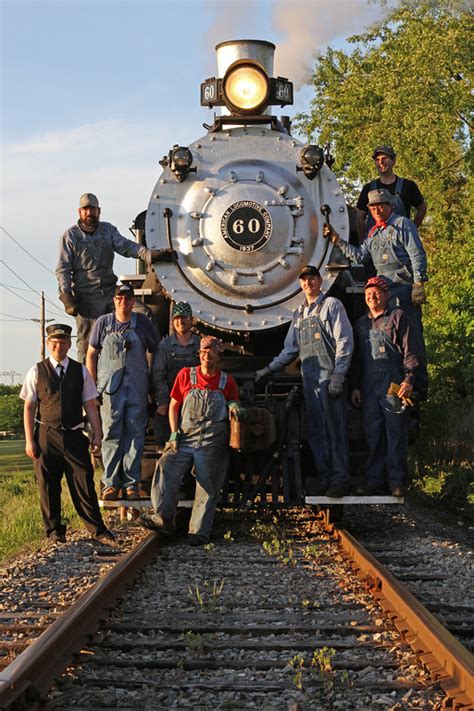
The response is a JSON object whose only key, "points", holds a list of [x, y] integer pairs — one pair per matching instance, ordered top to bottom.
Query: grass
{"points": [[21, 528]]}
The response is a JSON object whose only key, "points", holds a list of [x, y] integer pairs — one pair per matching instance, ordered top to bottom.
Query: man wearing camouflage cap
{"points": [[406, 195], [394, 247], [84, 270], [178, 350], [202, 399]]}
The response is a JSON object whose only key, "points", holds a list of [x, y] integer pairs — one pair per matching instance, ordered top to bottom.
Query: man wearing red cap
{"points": [[405, 193], [384, 354], [202, 399]]}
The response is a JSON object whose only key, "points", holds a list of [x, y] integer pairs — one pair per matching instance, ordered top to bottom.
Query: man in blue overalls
{"points": [[395, 248], [84, 271], [321, 334], [385, 353], [117, 361], [202, 399]]}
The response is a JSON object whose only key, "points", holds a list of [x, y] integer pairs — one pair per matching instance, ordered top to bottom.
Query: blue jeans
{"points": [[124, 420], [327, 430], [210, 460]]}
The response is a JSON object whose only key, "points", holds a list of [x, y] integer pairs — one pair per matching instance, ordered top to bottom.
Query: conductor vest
{"points": [[60, 401]]}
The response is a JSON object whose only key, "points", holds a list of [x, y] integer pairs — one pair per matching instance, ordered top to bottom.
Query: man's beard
{"points": [[89, 226]]}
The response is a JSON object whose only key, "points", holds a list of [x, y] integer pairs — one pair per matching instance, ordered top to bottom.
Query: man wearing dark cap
{"points": [[405, 193], [395, 248], [85, 267], [321, 334], [178, 350], [385, 354], [117, 361], [55, 391], [202, 398]]}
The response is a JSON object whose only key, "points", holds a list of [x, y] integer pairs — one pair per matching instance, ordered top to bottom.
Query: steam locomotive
{"points": [[244, 207]]}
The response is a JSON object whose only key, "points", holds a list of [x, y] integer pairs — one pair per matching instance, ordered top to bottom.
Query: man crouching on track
{"points": [[321, 334], [385, 353], [55, 390], [202, 398]]}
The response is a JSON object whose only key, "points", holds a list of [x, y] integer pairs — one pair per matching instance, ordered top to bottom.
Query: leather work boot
{"points": [[109, 494], [132, 494]]}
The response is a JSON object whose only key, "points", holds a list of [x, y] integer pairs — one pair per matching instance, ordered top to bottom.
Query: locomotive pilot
{"points": [[395, 248], [84, 271], [321, 334], [178, 350], [385, 353], [117, 361], [55, 391], [202, 399]]}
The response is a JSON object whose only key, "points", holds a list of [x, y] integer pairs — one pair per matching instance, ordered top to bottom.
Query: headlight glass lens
{"points": [[246, 88]]}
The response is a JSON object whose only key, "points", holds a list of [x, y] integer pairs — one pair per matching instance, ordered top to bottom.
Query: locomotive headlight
{"points": [[246, 87], [312, 160], [180, 161]]}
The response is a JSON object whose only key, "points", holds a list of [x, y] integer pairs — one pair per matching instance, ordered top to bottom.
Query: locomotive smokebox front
{"points": [[242, 205]]}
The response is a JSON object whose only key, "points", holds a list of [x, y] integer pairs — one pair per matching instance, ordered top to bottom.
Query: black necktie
{"points": [[60, 371]]}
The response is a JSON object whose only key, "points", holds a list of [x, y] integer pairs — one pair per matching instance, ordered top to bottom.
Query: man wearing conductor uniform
{"points": [[84, 270], [321, 334], [55, 391]]}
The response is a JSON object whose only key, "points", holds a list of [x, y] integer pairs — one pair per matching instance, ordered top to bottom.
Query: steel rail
{"points": [[448, 661], [32, 673]]}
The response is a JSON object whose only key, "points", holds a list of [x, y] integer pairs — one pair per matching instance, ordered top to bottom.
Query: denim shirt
{"points": [[396, 251], [86, 260], [336, 324]]}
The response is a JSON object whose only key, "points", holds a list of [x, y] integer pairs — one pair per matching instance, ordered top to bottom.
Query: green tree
{"points": [[407, 82], [11, 409]]}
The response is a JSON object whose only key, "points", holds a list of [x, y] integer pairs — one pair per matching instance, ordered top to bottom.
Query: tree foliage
{"points": [[406, 82], [11, 409]]}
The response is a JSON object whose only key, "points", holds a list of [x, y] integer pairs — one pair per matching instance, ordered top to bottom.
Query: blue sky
{"points": [[93, 94]]}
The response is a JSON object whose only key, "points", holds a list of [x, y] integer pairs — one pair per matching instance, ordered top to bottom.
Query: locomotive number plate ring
{"points": [[246, 226]]}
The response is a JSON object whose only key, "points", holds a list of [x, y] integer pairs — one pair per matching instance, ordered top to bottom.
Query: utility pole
{"points": [[42, 326], [12, 374]]}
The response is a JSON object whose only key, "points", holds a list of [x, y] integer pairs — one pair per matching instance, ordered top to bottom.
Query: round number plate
{"points": [[246, 226]]}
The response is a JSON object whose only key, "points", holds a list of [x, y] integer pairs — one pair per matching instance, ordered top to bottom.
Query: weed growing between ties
{"points": [[272, 536], [206, 596], [198, 643], [320, 668]]}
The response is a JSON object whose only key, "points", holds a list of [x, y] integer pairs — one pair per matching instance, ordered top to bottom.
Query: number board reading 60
{"points": [[246, 226]]}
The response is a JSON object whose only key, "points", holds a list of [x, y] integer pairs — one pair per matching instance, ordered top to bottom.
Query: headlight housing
{"points": [[246, 87]]}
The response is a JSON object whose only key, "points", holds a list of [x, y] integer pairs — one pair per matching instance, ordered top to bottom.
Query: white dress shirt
{"points": [[29, 390]]}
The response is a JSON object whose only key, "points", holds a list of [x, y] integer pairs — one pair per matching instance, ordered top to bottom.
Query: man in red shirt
{"points": [[202, 399]]}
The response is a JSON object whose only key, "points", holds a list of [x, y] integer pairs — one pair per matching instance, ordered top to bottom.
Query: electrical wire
{"points": [[26, 251], [2, 261], [19, 296], [16, 318]]}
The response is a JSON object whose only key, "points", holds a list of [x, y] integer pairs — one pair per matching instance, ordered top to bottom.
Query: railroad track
{"points": [[266, 616]]}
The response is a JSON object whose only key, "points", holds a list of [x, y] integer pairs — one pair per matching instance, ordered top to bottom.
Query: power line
{"points": [[26, 251], [2, 261], [10, 286], [19, 296], [16, 318]]}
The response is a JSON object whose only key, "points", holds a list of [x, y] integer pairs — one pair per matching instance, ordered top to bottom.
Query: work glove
{"points": [[330, 233], [161, 255], [418, 295], [70, 303], [263, 374], [336, 385], [237, 411], [172, 444]]}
